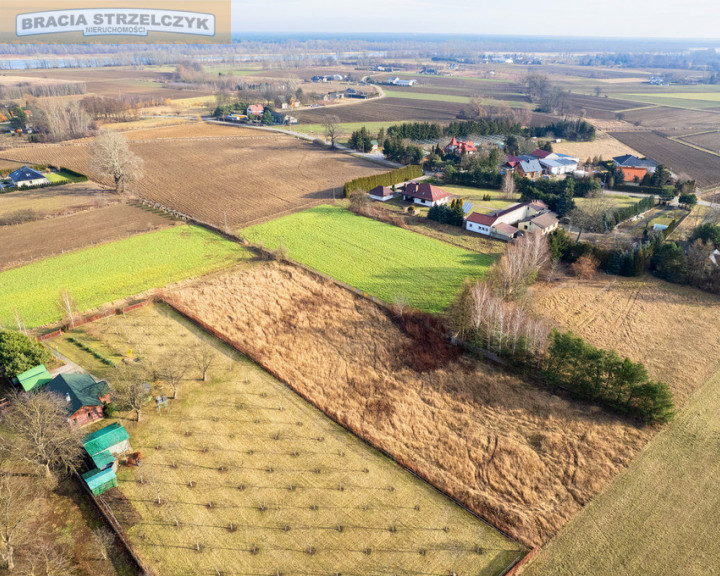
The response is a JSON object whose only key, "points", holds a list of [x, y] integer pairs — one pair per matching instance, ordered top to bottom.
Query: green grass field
{"points": [[427, 96], [691, 100], [345, 129], [54, 177], [618, 200], [383, 260], [102, 274], [304, 496], [659, 517]]}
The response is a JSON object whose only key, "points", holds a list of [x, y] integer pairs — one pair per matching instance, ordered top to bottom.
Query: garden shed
{"points": [[33, 378], [100, 481]]}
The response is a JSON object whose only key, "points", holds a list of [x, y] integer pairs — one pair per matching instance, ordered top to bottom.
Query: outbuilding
{"points": [[382, 193], [34, 378]]}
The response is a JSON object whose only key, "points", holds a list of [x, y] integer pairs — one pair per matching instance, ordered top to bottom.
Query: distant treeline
{"points": [[22, 89], [577, 130]]}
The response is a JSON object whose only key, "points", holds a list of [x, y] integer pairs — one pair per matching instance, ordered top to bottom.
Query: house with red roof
{"points": [[255, 110], [460, 147], [382, 193], [425, 194]]}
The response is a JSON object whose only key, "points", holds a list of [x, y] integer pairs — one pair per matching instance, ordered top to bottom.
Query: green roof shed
{"points": [[33, 378], [105, 438], [103, 459], [100, 481]]}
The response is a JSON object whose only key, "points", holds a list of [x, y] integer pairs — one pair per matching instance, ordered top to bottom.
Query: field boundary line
{"points": [[399, 460]]}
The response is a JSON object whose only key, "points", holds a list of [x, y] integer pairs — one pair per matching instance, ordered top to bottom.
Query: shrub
{"points": [[584, 267], [19, 353]]}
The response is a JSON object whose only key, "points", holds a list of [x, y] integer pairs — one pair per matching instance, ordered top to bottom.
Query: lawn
{"points": [[427, 96], [345, 128], [56, 178], [475, 197], [618, 200], [383, 260], [108, 272], [303, 495], [660, 516]]}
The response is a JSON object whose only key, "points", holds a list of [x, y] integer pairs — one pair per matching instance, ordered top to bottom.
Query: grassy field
{"points": [[427, 96], [692, 100], [345, 129], [475, 196], [618, 200], [383, 260], [102, 274], [303, 495], [660, 516]]}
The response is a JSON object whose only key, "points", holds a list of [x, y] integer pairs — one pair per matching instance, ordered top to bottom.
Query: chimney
{"points": [[67, 398]]}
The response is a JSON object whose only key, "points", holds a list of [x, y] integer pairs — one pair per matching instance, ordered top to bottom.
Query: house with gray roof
{"points": [[23, 177]]}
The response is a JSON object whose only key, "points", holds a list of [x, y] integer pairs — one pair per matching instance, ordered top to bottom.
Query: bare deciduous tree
{"points": [[477, 106], [331, 124], [113, 158], [508, 186], [591, 216], [519, 266], [66, 304], [203, 356], [172, 368], [130, 388], [39, 433], [18, 509], [103, 542], [48, 559]]}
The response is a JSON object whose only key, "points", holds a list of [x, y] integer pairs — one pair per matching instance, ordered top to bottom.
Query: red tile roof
{"points": [[541, 154], [425, 191], [482, 219]]}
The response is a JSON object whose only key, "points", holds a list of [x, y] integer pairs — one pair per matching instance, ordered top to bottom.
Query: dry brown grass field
{"points": [[604, 146], [211, 171], [57, 200], [24, 243], [672, 329], [523, 459], [303, 495], [658, 518]]}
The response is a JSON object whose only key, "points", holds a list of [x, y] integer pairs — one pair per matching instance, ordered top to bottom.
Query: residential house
{"points": [[256, 110], [285, 119], [460, 148], [630, 161], [529, 169], [25, 176], [382, 193], [425, 194], [505, 224], [543, 224], [34, 378], [84, 397], [102, 446]]}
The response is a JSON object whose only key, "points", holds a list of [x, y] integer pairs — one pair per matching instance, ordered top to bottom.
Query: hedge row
{"points": [[387, 179], [637, 189], [627, 212], [90, 351]]}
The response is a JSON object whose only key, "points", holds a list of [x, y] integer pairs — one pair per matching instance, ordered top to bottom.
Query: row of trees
{"points": [[41, 90], [603, 376]]}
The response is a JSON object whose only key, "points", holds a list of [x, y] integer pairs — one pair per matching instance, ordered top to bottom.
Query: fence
{"points": [[107, 514]]}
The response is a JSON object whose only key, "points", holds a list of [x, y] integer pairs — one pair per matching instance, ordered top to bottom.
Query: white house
{"points": [[25, 176], [382, 194], [425, 194], [507, 223]]}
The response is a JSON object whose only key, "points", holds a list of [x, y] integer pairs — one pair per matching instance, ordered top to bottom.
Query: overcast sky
{"points": [[624, 18]]}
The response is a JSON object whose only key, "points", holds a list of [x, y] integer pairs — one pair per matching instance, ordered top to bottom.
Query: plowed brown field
{"points": [[211, 172]]}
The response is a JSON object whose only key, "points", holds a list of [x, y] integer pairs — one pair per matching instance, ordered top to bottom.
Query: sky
{"points": [[602, 18]]}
